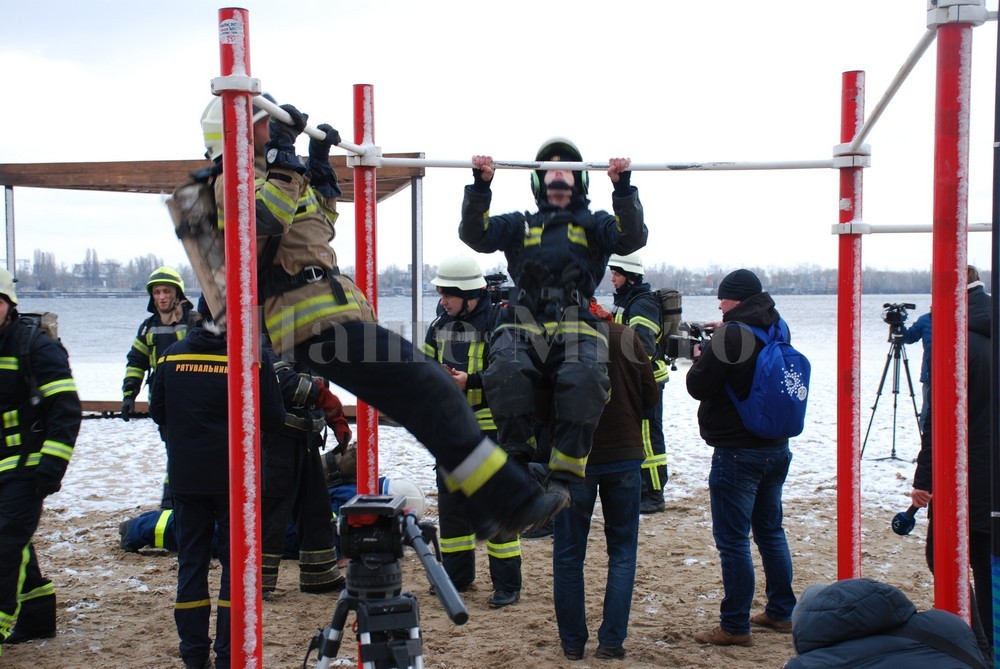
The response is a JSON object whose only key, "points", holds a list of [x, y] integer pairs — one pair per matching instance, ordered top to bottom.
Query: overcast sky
{"points": [[659, 81]]}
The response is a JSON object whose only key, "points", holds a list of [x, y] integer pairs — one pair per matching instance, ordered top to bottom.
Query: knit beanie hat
{"points": [[739, 285]]}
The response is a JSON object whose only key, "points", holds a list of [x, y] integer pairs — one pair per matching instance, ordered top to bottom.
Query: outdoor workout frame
{"points": [[950, 21]]}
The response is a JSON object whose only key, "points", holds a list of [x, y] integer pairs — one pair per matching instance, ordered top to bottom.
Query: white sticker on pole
{"points": [[231, 32]]}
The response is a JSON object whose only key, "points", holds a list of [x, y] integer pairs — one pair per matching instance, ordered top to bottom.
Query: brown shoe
{"points": [[762, 619], [720, 637]]}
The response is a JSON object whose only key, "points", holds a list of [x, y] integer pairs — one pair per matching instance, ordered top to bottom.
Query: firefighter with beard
{"points": [[556, 257], [638, 307], [173, 315], [459, 339], [41, 420]]}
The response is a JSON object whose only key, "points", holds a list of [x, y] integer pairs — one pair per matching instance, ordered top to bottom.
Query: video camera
{"points": [[496, 289], [894, 315], [689, 343]]}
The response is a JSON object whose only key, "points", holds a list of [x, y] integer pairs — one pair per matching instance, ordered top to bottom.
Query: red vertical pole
{"points": [[852, 111], [366, 269], [242, 341], [949, 398]]}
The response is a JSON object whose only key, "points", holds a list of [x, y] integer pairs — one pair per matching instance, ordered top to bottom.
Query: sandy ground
{"points": [[115, 609]]}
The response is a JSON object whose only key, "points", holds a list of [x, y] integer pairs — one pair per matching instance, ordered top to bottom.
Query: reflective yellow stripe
{"points": [[280, 205], [577, 234], [533, 237], [305, 313], [637, 322], [555, 328], [141, 346], [429, 351], [194, 357], [8, 364], [660, 371], [134, 373], [66, 385], [11, 419], [485, 419], [57, 449], [10, 463], [566, 463], [477, 468], [161, 527], [458, 544], [504, 551], [41, 591], [224, 603], [197, 604]]}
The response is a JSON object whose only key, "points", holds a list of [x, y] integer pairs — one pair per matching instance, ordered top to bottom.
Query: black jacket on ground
{"points": [[189, 400], [718, 420], [856, 624]]}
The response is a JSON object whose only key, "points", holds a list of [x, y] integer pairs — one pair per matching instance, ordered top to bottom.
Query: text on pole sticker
{"points": [[230, 31]]}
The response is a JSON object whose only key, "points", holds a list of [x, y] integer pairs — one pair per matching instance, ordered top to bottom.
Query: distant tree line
{"points": [[96, 275]]}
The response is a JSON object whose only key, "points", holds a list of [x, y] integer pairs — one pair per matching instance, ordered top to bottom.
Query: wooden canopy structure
{"points": [[162, 176]]}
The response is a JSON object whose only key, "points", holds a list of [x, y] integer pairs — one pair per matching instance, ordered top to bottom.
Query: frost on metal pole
{"points": [[953, 20], [236, 88], [852, 111], [366, 269]]}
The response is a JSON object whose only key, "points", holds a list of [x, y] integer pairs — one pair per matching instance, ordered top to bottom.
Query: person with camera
{"points": [[555, 257], [638, 307], [319, 317], [921, 331], [459, 339], [41, 420], [748, 471], [980, 491]]}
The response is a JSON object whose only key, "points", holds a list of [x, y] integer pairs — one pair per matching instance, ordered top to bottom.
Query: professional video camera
{"points": [[496, 289], [894, 316], [692, 339], [373, 530]]}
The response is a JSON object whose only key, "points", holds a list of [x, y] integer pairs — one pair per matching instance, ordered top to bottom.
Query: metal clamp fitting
{"points": [[941, 12], [236, 82], [372, 157]]}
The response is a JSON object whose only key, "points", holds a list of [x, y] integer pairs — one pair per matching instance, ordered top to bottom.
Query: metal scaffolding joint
{"points": [[942, 12], [236, 82]]}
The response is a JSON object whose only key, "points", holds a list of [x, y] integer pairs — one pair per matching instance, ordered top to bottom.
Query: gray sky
{"points": [[658, 81]]}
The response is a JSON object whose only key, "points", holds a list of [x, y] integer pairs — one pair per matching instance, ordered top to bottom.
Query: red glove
{"points": [[333, 412]]}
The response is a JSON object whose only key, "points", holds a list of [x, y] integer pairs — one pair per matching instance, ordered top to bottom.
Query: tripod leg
{"points": [[909, 382], [878, 394], [331, 636]]}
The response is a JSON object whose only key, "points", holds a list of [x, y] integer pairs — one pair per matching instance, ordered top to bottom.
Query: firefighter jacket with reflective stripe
{"points": [[300, 222], [571, 239], [638, 307], [151, 341], [462, 344], [189, 400], [36, 436]]}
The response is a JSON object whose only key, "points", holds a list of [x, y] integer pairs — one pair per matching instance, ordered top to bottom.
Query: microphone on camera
{"points": [[903, 522]]}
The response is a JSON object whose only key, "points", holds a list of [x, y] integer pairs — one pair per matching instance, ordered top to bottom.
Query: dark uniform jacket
{"points": [[557, 239], [639, 308], [151, 341], [462, 344], [189, 399], [718, 419], [618, 435], [37, 439], [861, 623]]}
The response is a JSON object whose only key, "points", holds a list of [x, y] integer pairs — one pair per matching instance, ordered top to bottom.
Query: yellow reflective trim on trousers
{"points": [[280, 205], [577, 235], [533, 237], [307, 312], [194, 357], [8, 364], [66, 385], [57, 449], [567, 463], [478, 467], [161, 527], [458, 544], [504, 551], [41, 591], [197, 604], [7, 622]]}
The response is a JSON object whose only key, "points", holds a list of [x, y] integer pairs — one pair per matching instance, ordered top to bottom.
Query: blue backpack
{"points": [[776, 405]]}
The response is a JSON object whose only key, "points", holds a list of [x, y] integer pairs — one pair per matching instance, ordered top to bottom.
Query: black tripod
{"points": [[897, 353], [373, 530]]}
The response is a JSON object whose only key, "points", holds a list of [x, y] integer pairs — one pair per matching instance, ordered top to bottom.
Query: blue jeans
{"points": [[745, 488], [620, 494]]}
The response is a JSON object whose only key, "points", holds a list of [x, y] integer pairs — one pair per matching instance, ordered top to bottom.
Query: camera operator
{"points": [[980, 316], [921, 331]]}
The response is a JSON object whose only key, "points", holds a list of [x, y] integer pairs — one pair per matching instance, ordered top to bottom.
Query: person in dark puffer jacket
{"points": [[864, 624]]}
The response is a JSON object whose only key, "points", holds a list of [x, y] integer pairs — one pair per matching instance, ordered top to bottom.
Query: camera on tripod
{"points": [[496, 289], [894, 315], [373, 530]]}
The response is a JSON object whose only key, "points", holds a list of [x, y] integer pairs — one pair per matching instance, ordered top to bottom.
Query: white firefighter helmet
{"points": [[211, 125], [631, 264], [461, 272], [7, 286], [408, 489]]}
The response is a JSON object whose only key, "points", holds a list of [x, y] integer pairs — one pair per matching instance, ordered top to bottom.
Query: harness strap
{"points": [[278, 282]]}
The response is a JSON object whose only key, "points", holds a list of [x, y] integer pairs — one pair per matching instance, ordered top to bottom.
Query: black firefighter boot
{"points": [[35, 620]]}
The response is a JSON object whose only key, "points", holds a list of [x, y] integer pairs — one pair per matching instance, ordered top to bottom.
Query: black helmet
{"points": [[561, 149]]}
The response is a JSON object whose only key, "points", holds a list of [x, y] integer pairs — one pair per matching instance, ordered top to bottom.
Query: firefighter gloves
{"points": [[128, 407], [333, 412]]}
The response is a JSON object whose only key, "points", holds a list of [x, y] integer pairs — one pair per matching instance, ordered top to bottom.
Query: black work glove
{"points": [[280, 149], [321, 174], [623, 185], [128, 408], [48, 475]]}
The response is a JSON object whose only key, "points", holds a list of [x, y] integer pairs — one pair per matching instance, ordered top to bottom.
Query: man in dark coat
{"points": [[748, 471], [863, 623]]}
